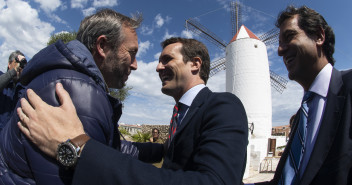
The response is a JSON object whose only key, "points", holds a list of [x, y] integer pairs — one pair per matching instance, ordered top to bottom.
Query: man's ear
{"points": [[320, 37], [101, 46], [196, 64]]}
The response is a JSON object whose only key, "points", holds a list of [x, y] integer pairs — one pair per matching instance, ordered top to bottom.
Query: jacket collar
{"points": [[193, 109], [328, 129]]}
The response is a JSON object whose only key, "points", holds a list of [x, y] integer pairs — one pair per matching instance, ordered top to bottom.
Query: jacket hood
{"points": [[73, 55]]}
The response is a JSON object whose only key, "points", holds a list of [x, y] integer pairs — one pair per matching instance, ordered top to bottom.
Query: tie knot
{"points": [[307, 96], [182, 106]]}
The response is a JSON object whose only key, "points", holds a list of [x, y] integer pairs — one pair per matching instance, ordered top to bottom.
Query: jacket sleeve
{"points": [[6, 78], [93, 109], [224, 140], [147, 152]]}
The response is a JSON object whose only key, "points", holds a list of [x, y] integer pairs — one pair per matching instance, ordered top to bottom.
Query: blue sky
{"points": [[27, 26]]}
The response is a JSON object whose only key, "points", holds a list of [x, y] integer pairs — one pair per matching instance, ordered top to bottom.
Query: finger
{"points": [[64, 97], [34, 99], [26, 108], [24, 119], [24, 130]]}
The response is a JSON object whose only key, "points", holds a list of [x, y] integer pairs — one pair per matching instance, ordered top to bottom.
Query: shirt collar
{"points": [[321, 83], [189, 96]]}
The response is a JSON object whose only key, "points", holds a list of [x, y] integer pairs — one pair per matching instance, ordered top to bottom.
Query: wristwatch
{"points": [[69, 151]]}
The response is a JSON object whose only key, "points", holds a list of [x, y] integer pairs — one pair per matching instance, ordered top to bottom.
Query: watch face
{"points": [[67, 154]]}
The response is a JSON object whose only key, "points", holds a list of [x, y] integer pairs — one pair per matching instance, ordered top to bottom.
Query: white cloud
{"points": [[78, 3], [105, 3], [49, 5], [88, 11], [57, 19], [160, 21], [146, 30], [24, 31], [187, 34], [168, 35], [143, 47], [157, 55], [217, 82], [146, 104], [286, 104]]}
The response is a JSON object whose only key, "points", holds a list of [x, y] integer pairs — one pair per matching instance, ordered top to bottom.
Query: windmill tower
{"points": [[248, 77]]}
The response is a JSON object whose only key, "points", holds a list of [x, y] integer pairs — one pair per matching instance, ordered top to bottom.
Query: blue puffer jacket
{"points": [[23, 163]]}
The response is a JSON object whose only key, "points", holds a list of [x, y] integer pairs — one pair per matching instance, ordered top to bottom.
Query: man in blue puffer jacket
{"points": [[102, 57]]}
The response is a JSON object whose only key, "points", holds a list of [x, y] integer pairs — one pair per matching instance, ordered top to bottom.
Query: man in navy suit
{"points": [[307, 47], [208, 135]]}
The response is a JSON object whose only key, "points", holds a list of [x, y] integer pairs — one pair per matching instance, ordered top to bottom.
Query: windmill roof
{"points": [[244, 32]]}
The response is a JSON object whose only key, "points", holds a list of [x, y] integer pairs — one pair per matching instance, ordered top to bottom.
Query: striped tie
{"points": [[173, 123], [291, 168]]}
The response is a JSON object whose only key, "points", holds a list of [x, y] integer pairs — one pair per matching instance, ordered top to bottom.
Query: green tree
{"points": [[64, 36], [120, 94], [124, 131], [141, 137]]}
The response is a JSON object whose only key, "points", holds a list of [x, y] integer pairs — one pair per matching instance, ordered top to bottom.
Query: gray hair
{"points": [[106, 22], [14, 55]]}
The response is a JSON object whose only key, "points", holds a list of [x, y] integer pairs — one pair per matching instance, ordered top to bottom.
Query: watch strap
{"points": [[80, 140]]}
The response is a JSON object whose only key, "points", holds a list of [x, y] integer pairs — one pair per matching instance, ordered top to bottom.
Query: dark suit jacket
{"points": [[208, 148], [331, 158]]}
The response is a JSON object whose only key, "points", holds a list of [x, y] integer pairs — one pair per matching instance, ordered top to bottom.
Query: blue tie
{"points": [[291, 168]]}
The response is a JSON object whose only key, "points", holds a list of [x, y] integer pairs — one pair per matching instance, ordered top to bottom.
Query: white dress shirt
{"points": [[320, 87], [189, 96]]}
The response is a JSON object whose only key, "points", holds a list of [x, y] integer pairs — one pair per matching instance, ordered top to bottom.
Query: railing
{"points": [[251, 127], [266, 166]]}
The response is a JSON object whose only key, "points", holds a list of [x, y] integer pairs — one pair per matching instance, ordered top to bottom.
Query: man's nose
{"points": [[281, 49], [134, 64], [159, 67]]}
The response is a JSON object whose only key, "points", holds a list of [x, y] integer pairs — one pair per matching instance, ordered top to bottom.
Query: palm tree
{"points": [[141, 137]]}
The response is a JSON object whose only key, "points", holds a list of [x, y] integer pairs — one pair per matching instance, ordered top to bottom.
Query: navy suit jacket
{"points": [[209, 148], [331, 158]]}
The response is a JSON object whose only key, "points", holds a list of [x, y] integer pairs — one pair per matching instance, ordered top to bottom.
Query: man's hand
{"points": [[48, 126]]}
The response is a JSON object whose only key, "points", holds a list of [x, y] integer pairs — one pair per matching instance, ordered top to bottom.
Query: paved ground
{"points": [[259, 177]]}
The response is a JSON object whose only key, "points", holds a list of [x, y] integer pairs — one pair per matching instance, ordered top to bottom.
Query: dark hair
{"points": [[311, 21], [105, 22], [192, 48], [13, 56], [156, 130]]}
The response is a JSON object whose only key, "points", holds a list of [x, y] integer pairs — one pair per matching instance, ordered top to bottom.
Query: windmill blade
{"points": [[236, 16], [202, 31], [270, 37], [217, 66], [278, 82]]}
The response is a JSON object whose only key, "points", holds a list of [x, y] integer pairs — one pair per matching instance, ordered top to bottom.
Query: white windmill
{"points": [[248, 77]]}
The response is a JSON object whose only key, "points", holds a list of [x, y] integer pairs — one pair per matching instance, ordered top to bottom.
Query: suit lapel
{"points": [[196, 104], [328, 128]]}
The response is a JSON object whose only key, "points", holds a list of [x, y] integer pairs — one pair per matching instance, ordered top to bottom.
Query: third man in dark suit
{"points": [[324, 143]]}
